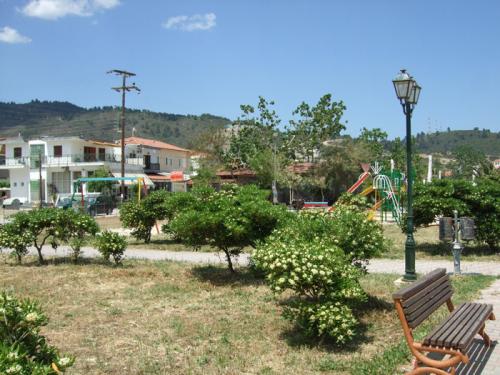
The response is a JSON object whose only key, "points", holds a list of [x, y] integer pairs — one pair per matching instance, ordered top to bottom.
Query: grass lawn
{"points": [[428, 246], [173, 318]]}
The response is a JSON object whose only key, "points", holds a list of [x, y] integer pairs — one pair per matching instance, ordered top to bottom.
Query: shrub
{"points": [[480, 200], [353, 201], [142, 216], [227, 220], [41, 224], [346, 227], [73, 228], [15, 237], [111, 244], [320, 257], [324, 282], [22, 349]]}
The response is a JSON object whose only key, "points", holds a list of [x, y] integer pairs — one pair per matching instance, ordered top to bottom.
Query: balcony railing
{"points": [[66, 160], [14, 162], [152, 166]]}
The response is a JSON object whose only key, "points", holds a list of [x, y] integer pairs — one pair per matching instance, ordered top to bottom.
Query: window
{"points": [[58, 151], [18, 152], [89, 154], [102, 154], [166, 161], [180, 162]]}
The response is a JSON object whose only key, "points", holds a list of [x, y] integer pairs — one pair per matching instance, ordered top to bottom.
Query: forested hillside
{"points": [[38, 118], [445, 142]]}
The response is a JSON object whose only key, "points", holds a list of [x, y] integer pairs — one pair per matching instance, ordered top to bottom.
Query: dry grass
{"points": [[428, 246], [170, 318]]}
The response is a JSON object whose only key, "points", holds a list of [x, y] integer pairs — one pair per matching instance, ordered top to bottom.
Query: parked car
{"points": [[14, 202], [102, 204]]}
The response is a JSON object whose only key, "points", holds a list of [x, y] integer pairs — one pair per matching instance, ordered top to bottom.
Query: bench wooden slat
{"points": [[418, 285], [431, 293], [408, 302], [427, 309], [458, 325], [474, 328], [459, 329], [439, 330]]}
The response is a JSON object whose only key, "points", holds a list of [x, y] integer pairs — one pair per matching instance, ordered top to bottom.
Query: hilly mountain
{"points": [[38, 118], [446, 142]]}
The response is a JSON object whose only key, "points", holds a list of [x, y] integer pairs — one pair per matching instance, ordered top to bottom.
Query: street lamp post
{"points": [[408, 92]]}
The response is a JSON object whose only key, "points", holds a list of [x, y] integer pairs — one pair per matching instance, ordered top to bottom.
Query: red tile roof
{"points": [[152, 143]]}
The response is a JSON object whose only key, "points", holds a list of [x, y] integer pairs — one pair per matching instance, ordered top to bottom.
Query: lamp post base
{"points": [[410, 274]]}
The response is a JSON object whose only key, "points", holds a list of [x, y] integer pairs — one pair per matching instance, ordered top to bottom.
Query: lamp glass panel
{"points": [[403, 88]]}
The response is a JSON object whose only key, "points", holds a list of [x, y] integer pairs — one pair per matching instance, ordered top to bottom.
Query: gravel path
{"points": [[376, 265]]}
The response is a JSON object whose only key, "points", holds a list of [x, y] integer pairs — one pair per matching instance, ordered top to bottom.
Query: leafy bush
{"points": [[353, 200], [480, 200], [142, 216], [227, 220], [41, 225], [346, 227], [73, 228], [15, 237], [111, 244], [320, 257], [324, 282], [22, 349]]}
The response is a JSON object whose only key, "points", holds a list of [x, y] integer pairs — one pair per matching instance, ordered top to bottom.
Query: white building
{"points": [[56, 162], [167, 165]]}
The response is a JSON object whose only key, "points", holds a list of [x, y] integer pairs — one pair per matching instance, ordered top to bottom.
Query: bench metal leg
{"points": [[485, 337]]}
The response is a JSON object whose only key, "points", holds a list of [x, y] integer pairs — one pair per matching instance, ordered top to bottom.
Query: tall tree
{"points": [[315, 125], [373, 139], [469, 161]]}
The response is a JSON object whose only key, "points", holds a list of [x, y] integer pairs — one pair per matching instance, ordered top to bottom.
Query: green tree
{"points": [[315, 125], [374, 139], [469, 161], [100, 186], [142, 216], [228, 220]]}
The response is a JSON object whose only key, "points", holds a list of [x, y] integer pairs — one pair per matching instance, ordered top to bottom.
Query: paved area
{"points": [[376, 265]]}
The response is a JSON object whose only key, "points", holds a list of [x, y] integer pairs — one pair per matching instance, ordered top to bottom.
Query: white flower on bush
{"points": [[32, 317], [12, 356], [64, 361], [16, 369]]}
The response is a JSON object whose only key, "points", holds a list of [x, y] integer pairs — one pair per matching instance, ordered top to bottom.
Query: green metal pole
{"points": [[410, 274]]}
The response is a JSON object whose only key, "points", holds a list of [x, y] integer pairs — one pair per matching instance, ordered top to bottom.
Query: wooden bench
{"points": [[453, 336]]}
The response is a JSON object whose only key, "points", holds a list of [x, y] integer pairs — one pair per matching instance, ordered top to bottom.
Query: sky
{"points": [[203, 56]]}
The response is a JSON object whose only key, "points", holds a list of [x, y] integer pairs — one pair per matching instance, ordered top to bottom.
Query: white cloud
{"points": [[54, 9], [191, 23], [12, 36]]}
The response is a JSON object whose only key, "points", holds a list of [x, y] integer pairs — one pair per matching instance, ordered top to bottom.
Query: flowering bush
{"points": [[346, 227], [111, 244], [320, 257], [325, 283], [23, 350]]}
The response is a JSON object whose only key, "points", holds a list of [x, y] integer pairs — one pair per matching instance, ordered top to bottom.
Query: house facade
{"points": [[55, 163], [166, 165]]}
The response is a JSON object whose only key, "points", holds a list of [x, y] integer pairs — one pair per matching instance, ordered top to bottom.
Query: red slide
{"points": [[358, 183]]}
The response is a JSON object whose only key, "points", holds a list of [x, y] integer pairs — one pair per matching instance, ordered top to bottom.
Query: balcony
{"points": [[6, 163], [151, 167]]}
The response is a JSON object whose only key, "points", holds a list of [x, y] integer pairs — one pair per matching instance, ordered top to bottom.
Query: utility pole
{"points": [[123, 89], [40, 180]]}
